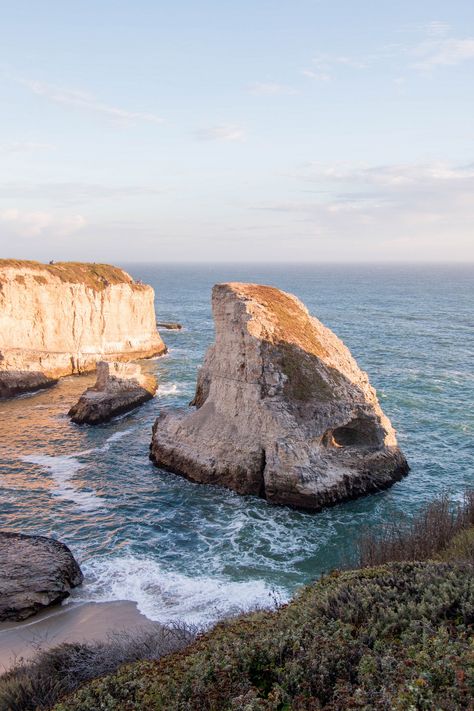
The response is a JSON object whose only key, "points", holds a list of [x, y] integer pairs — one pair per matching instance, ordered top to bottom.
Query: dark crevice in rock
{"points": [[262, 491]]}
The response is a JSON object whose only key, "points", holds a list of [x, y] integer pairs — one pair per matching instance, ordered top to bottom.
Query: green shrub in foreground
{"points": [[394, 637]]}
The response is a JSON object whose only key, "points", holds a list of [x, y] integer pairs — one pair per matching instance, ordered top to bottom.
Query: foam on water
{"points": [[62, 470], [168, 596]]}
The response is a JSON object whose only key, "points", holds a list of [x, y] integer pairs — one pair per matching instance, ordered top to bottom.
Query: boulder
{"points": [[119, 387], [281, 409], [35, 572]]}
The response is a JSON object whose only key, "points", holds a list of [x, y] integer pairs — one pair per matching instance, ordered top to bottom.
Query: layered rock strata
{"points": [[60, 319], [120, 387], [282, 409], [35, 572]]}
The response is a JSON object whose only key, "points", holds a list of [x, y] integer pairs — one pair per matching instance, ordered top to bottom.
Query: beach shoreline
{"points": [[74, 622]]}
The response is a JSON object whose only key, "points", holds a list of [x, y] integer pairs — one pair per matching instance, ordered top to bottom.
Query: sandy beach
{"points": [[75, 622]]}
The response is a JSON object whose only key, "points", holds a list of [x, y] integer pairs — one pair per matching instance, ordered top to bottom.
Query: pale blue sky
{"points": [[250, 131]]}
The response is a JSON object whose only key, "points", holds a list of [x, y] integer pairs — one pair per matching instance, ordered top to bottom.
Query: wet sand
{"points": [[76, 622]]}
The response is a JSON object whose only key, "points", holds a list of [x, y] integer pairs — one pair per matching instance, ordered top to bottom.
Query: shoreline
{"points": [[74, 622]]}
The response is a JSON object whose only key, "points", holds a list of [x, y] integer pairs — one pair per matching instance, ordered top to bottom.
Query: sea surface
{"points": [[184, 551]]}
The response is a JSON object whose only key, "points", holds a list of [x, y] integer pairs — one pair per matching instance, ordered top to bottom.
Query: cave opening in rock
{"points": [[359, 432]]}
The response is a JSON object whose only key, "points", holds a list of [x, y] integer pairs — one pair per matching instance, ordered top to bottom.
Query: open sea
{"points": [[184, 551]]}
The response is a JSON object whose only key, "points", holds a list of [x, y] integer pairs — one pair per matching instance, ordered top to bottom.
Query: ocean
{"points": [[184, 551]]}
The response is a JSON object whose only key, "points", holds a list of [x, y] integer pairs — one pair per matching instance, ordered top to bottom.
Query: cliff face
{"points": [[60, 319], [283, 410]]}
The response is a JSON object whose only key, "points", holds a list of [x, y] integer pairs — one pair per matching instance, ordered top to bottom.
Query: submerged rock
{"points": [[60, 319], [170, 325], [119, 387], [282, 409], [35, 572]]}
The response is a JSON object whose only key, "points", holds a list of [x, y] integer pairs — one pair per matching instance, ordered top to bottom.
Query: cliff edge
{"points": [[60, 319], [283, 410]]}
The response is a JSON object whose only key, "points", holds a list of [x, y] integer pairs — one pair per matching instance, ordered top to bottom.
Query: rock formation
{"points": [[59, 319], [120, 387], [282, 409], [35, 572]]}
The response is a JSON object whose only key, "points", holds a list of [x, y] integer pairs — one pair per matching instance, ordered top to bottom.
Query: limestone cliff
{"points": [[59, 319], [120, 387], [283, 410]]}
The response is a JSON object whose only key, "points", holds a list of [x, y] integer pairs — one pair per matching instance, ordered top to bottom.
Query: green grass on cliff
{"points": [[94, 276], [393, 637]]}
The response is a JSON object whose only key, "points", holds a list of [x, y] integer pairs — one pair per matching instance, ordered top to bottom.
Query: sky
{"points": [[250, 131]]}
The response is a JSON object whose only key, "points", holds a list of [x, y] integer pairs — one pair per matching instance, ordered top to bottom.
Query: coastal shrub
{"points": [[424, 536], [394, 637], [38, 684]]}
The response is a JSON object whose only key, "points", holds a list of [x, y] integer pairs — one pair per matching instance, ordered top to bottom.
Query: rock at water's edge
{"points": [[120, 387], [283, 410], [35, 572]]}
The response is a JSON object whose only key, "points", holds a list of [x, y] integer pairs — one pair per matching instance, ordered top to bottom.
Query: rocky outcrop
{"points": [[60, 319], [120, 387], [282, 409], [35, 572]]}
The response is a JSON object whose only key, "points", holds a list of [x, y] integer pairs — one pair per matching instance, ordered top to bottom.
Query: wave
{"points": [[169, 389], [63, 468], [168, 596]]}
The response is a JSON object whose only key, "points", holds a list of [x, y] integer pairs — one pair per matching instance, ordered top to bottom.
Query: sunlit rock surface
{"points": [[59, 319], [120, 387], [282, 409], [35, 572]]}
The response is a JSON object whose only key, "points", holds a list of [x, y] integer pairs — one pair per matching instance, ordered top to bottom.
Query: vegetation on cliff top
{"points": [[93, 276], [398, 636]]}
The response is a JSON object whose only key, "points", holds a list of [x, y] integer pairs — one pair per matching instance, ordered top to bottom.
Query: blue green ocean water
{"points": [[186, 551]]}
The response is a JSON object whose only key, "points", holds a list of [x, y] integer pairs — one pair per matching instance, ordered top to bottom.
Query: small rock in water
{"points": [[169, 325], [119, 387], [283, 410], [35, 572]]}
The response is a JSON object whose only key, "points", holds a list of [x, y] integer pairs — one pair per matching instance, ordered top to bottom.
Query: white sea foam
{"points": [[169, 389], [62, 469], [167, 596]]}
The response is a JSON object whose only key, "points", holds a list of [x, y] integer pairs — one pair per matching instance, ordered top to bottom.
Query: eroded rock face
{"points": [[59, 319], [119, 387], [282, 409], [35, 572]]}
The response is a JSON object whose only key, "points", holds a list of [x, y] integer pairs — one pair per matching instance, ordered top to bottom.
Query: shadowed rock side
{"points": [[60, 319], [120, 387], [282, 409], [35, 572]]}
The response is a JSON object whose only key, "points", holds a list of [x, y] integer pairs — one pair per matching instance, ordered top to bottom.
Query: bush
{"points": [[425, 536], [393, 637], [39, 684]]}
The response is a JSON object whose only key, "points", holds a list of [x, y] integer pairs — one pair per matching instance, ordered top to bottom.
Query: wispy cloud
{"points": [[442, 51], [324, 66], [271, 89], [86, 102], [221, 133], [24, 147], [75, 193], [428, 205], [15, 222]]}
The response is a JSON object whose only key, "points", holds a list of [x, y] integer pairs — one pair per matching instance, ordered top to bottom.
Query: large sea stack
{"points": [[59, 319], [281, 409]]}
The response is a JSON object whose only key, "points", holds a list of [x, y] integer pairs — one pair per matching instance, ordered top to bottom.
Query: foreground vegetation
{"points": [[396, 636]]}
